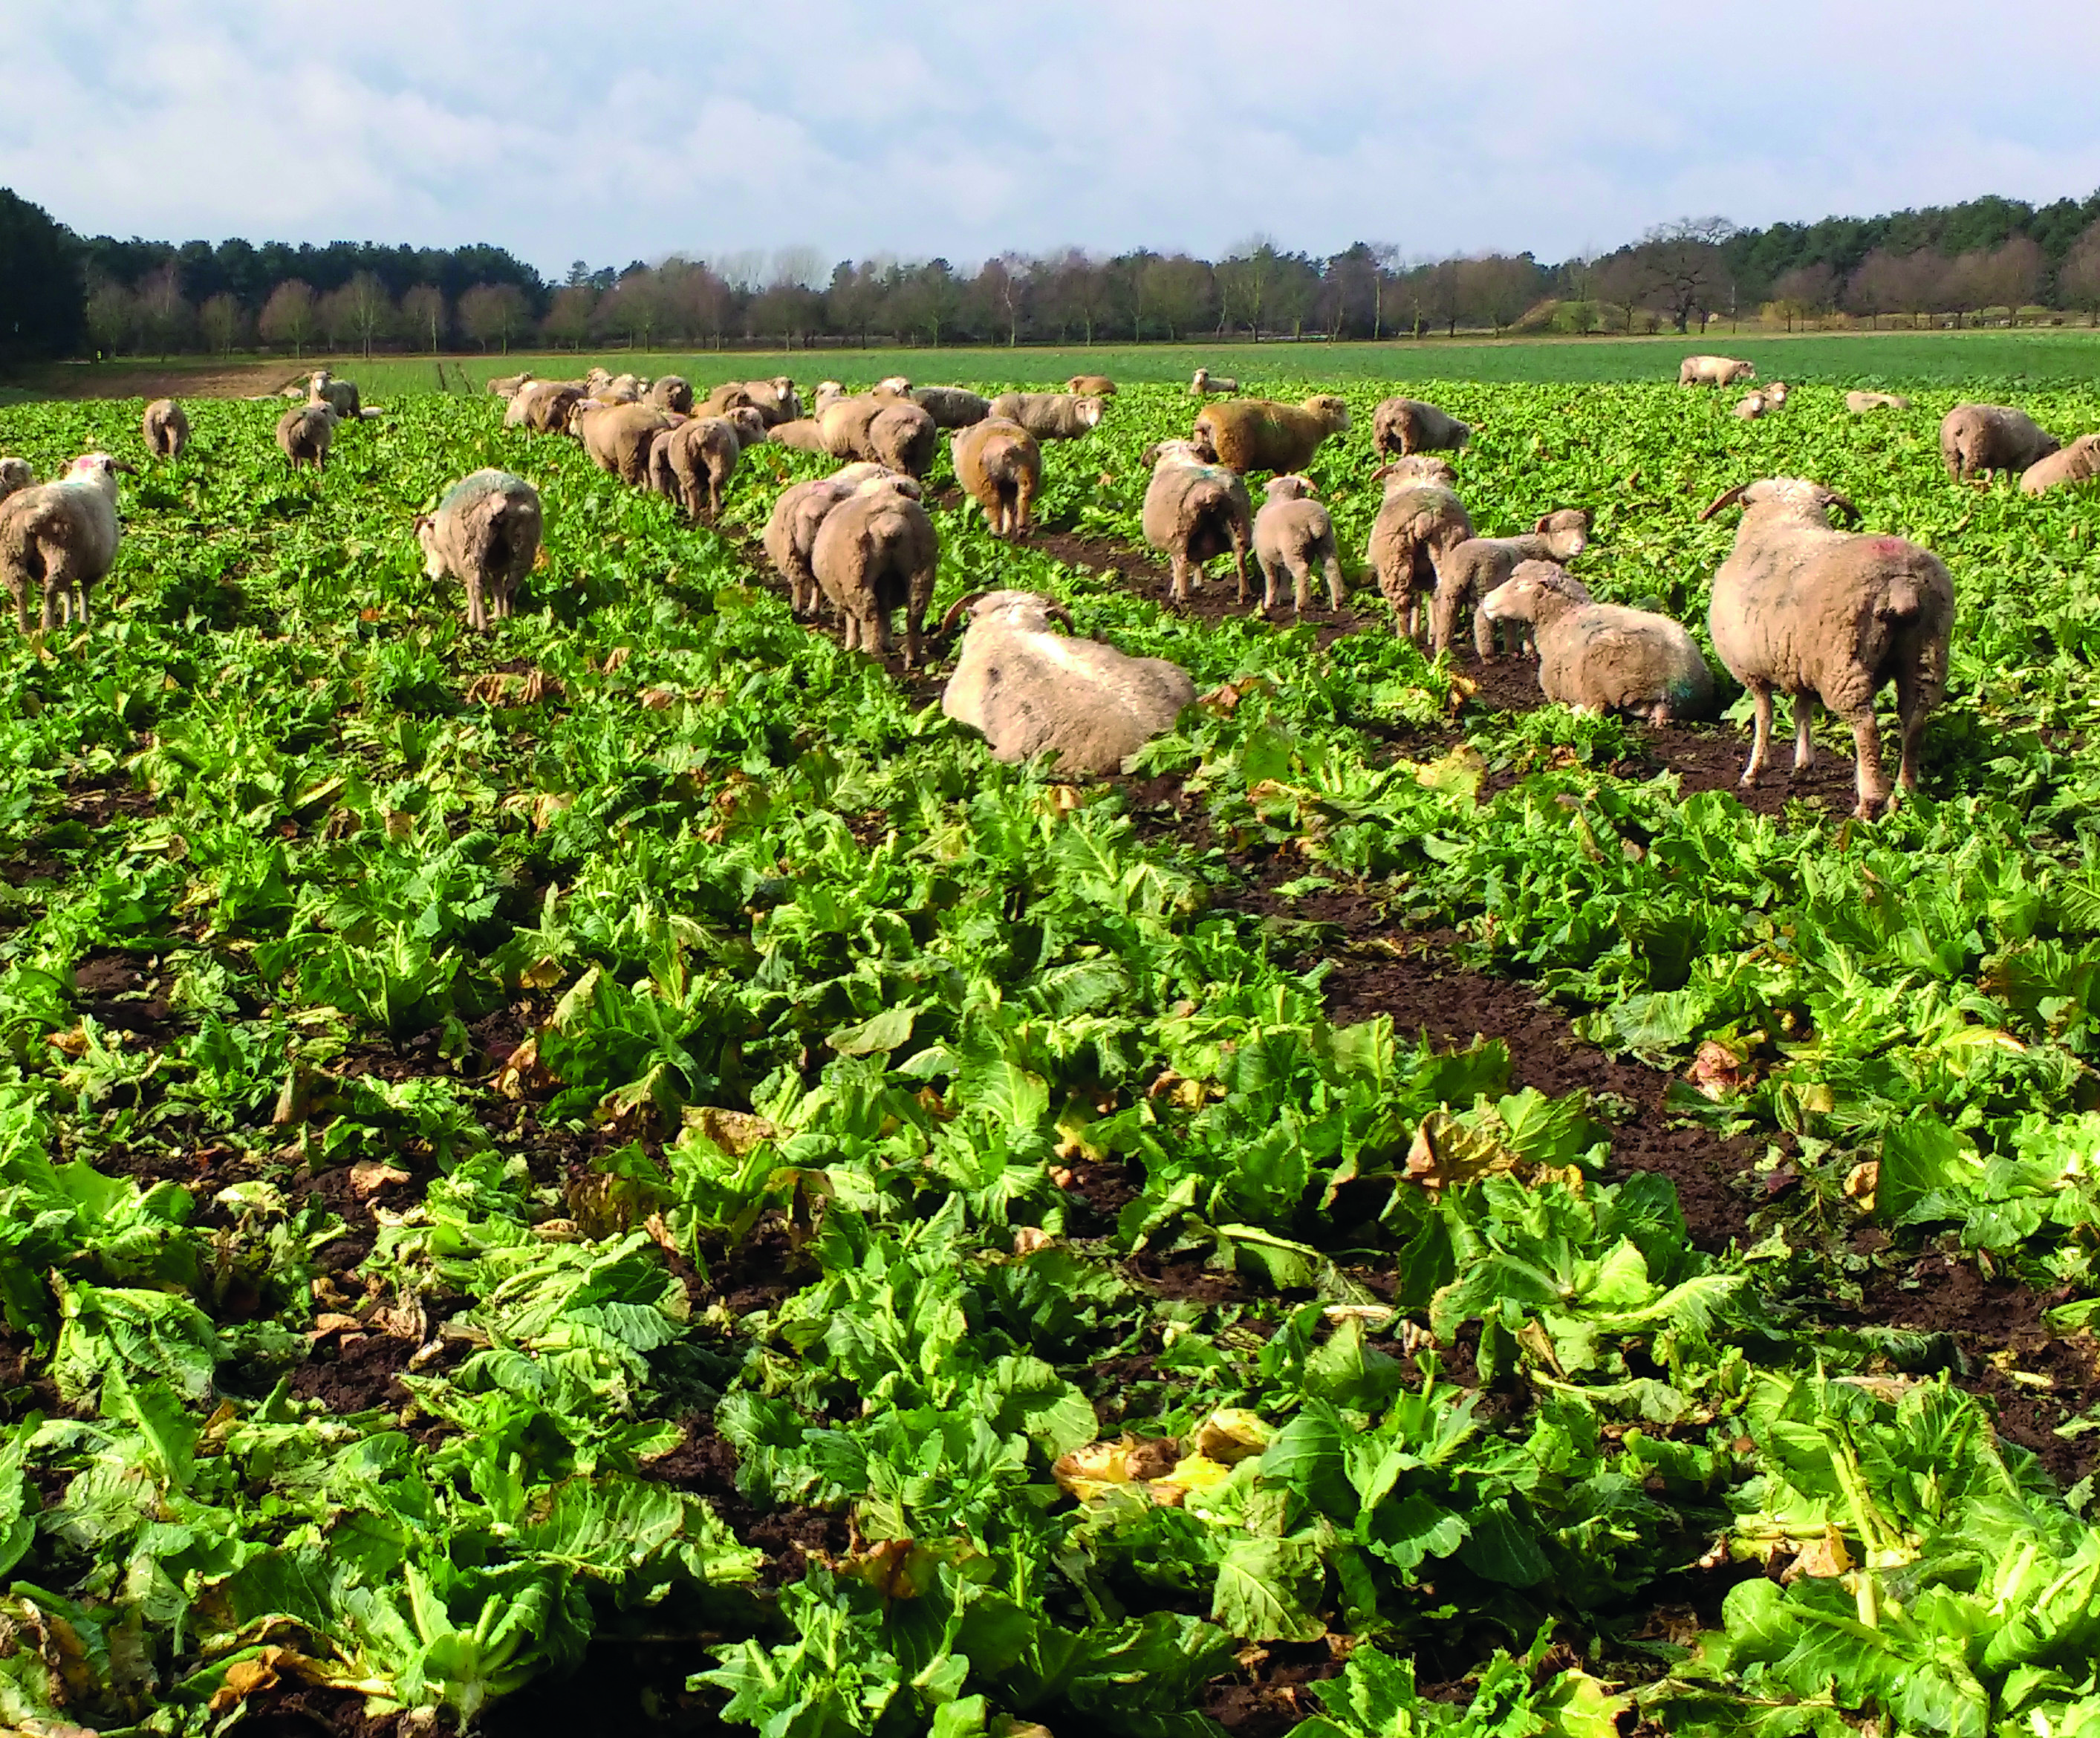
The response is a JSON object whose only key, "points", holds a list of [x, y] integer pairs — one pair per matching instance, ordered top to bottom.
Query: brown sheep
{"points": [[1091, 387], [671, 392], [726, 396], [542, 407], [1400, 426], [166, 429], [891, 431], [304, 433], [804, 434], [1245, 435], [619, 437], [1975, 439], [693, 460], [2078, 462], [999, 465], [15, 473], [1194, 510], [1420, 521], [791, 533], [485, 534], [1294, 535], [876, 551]]}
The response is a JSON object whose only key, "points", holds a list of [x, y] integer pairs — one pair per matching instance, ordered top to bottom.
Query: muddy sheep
{"points": [[671, 392], [542, 407], [1401, 426], [166, 429], [305, 433], [1249, 434], [619, 437], [1977, 439], [692, 461], [999, 465], [15, 473], [1194, 510], [1420, 521], [791, 533], [485, 534], [1293, 536], [58, 538], [876, 552], [1474, 568], [1598, 657]]}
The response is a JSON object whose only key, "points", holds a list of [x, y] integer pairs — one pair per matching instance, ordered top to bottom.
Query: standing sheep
{"points": [[1713, 371], [1206, 384], [509, 386], [324, 388], [671, 392], [1860, 403], [542, 407], [951, 407], [1050, 416], [1408, 425], [166, 429], [305, 433], [1260, 434], [619, 437], [1974, 439], [692, 461], [2078, 462], [1000, 467], [1194, 510], [1420, 521], [791, 533], [485, 534], [1293, 534], [60, 538], [875, 553], [1474, 568], [1821, 615], [1598, 657], [1032, 692]]}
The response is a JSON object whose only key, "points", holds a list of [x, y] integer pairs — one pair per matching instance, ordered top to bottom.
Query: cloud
{"points": [[934, 126]]}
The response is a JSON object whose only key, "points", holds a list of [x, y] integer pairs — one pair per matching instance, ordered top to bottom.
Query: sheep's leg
{"points": [[1239, 566], [1301, 585], [1179, 591], [1336, 595], [83, 603], [50, 606], [22, 609], [477, 611], [915, 623], [875, 634], [1484, 634], [1761, 698], [1804, 704], [1911, 707], [1866, 749]]}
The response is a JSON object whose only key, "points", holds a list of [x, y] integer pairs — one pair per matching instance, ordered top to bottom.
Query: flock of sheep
{"points": [[1799, 606]]}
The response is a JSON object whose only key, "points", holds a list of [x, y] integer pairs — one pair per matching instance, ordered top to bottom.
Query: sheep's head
{"points": [[1743, 371], [896, 386], [1331, 410], [1089, 411], [750, 426], [1173, 452], [1416, 469], [97, 470], [15, 473], [888, 482], [1289, 487], [1791, 497], [1567, 532], [427, 538], [1518, 597], [1019, 612]]}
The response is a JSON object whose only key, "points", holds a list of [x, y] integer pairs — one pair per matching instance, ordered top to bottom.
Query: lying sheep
{"points": [[1713, 371], [1205, 383], [509, 386], [1091, 387], [324, 388], [671, 392], [828, 394], [775, 400], [1763, 400], [1860, 403], [542, 407], [951, 407], [1050, 416], [1407, 425], [166, 429], [305, 433], [804, 434], [1261, 434], [619, 437], [1974, 439], [692, 461], [2078, 462], [1000, 468], [15, 474], [1194, 510], [1420, 521], [484, 534], [791, 534], [1293, 534], [60, 538], [875, 553], [1469, 571], [1820, 615], [1598, 657], [1031, 691]]}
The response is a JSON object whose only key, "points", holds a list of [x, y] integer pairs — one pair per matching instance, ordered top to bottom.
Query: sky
{"points": [[924, 127]]}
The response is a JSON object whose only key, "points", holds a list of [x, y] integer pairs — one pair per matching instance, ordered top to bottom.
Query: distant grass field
{"points": [[2055, 355]]}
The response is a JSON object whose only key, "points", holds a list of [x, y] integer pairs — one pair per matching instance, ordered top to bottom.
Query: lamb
{"points": [[1713, 371], [1205, 383], [509, 386], [1091, 387], [324, 388], [671, 392], [1860, 403], [1755, 405], [542, 407], [951, 407], [1050, 416], [1408, 425], [166, 429], [305, 433], [805, 434], [1261, 434], [617, 437], [1974, 439], [694, 460], [2078, 462], [1000, 467], [15, 474], [1195, 510], [1420, 521], [484, 534], [791, 534], [1293, 534], [60, 538], [875, 551], [1469, 571], [1825, 615], [1598, 657], [1031, 691]]}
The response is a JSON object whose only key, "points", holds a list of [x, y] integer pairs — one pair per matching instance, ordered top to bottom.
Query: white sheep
{"points": [[1713, 371], [1205, 383], [1761, 402], [1050, 416], [1293, 534], [486, 535], [60, 538], [1598, 657]]}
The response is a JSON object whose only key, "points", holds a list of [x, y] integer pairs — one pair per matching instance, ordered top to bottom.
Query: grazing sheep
{"points": [[1713, 371], [596, 380], [1206, 384], [509, 386], [1091, 387], [324, 388], [671, 392], [731, 395], [1765, 398], [1860, 403], [542, 407], [951, 407], [1050, 416], [749, 422], [1407, 425], [166, 429], [891, 431], [305, 433], [805, 434], [1261, 434], [617, 437], [1974, 439], [692, 461], [2078, 462], [1000, 467], [15, 473], [1194, 510], [1420, 521], [484, 534], [791, 534], [1294, 535], [60, 538], [876, 552], [1474, 568], [1825, 615], [1598, 657], [1031, 691]]}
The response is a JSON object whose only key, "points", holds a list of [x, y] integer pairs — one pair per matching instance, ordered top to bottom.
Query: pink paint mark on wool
{"points": [[1890, 545]]}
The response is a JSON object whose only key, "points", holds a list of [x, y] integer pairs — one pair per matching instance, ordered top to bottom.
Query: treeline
{"points": [[1987, 258]]}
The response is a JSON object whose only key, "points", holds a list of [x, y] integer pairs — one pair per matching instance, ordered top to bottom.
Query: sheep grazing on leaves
{"points": [[1713, 371], [1206, 384], [1860, 403], [542, 407], [951, 407], [1050, 416], [1402, 426], [166, 429], [305, 433], [1251, 435], [619, 437], [1977, 439], [692, 461], [2078, 462], [999, 465], [1195, 510], [1420, 521], [791, 533], [485, 534], [1293, 536], [57, 539], [875, 554], [1468, 573], [1820, 614], [1598, 657], [1033, 691]]}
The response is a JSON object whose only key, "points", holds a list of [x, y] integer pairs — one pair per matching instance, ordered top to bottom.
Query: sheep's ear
{"points": [[129, 470], [1727, 500], [1842, 503], [1545, 523]]}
